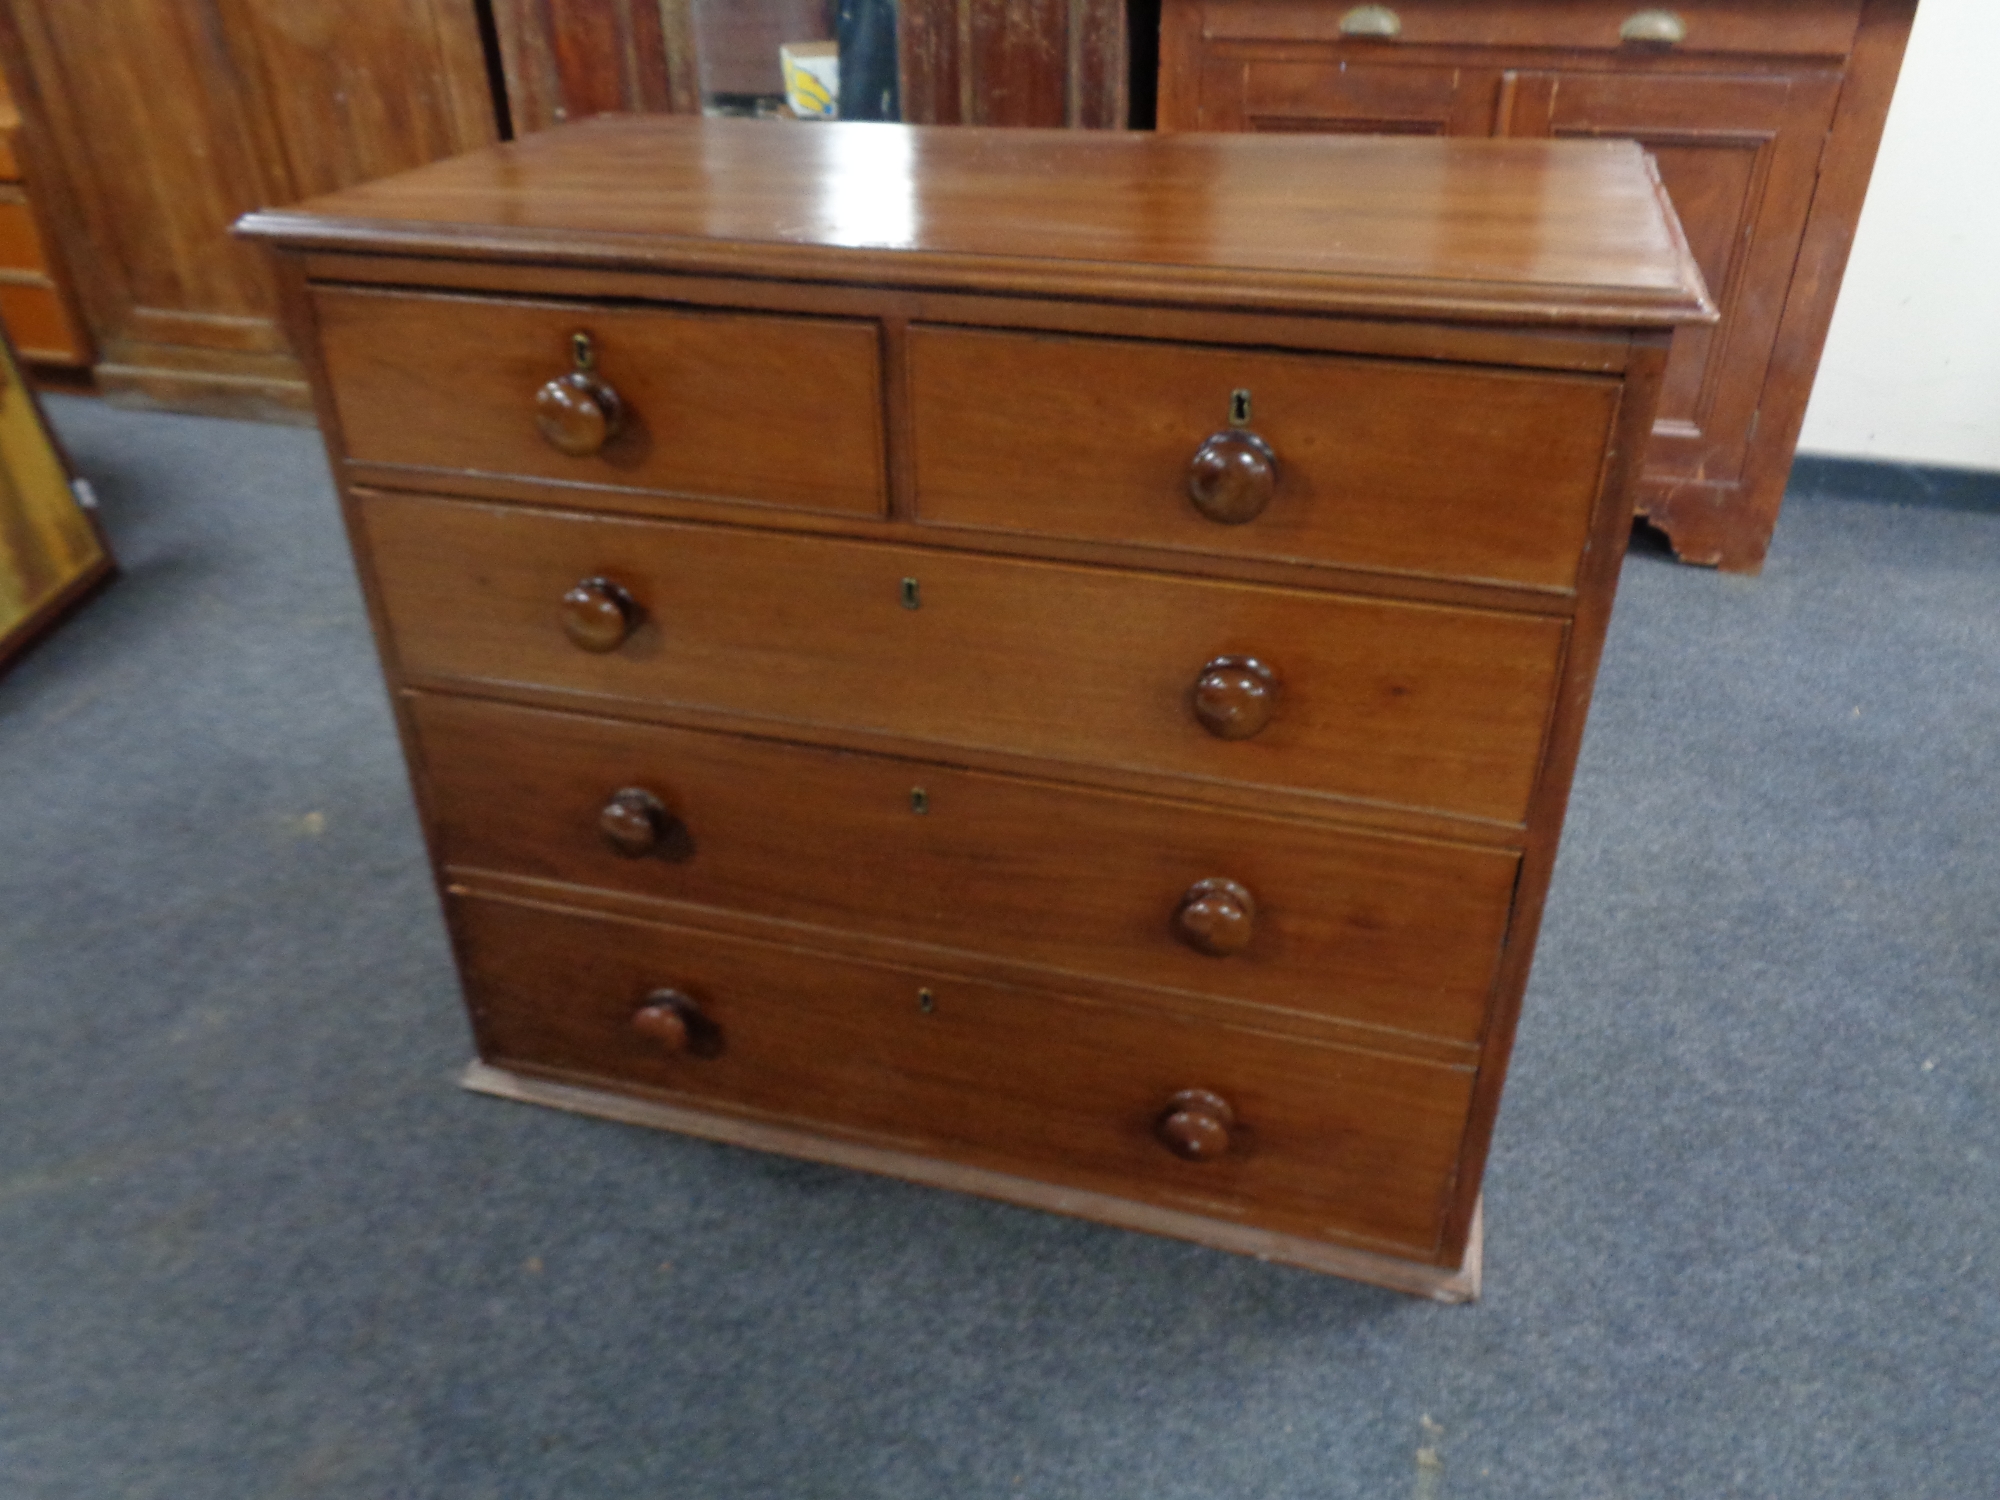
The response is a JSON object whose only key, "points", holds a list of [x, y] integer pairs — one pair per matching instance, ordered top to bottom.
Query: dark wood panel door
{"points": [[962, 62], [153, 125], [1739, 156]]}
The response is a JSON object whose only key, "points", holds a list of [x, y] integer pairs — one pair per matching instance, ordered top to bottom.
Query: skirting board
{"points": [[1435, 1282]]}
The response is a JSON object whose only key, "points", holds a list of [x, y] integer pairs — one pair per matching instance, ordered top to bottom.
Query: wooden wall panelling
{"points": [[737, 43], [567, 59], [963, 62], [1014, 62], [347, 90], [153, 125]]}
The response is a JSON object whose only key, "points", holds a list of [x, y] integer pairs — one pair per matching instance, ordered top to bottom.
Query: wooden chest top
{"points": [[1571, 232]]}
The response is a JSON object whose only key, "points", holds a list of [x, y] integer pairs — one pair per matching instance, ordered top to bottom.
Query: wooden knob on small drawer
{"points": [[1653, 28], [579, 412], [1232, 477], [597, 615], [1234, 697], [633, 821], [1217, 917], [672, 1022], [1196, 1125]]}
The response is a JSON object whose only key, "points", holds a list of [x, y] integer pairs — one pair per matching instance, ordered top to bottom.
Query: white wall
{"points": [[1912, 367]]}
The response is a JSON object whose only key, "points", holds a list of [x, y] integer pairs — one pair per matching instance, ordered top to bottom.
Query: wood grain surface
{"points": [[1478, 230], [772, 410], [1467, 473], [1404, 704], [1402, 934], [1342, 1144]]}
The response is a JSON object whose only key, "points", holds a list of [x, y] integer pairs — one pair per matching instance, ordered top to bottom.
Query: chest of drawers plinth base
{"points": [[1037, 664]]}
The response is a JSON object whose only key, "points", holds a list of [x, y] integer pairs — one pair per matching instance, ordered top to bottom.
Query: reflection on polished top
{"points": [[1493, 229]]}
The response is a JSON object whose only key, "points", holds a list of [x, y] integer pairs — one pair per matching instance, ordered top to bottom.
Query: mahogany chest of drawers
{"points": [[1041, 663]]}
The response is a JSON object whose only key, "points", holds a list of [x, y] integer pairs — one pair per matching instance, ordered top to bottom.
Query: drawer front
{"points": [[1796, 28], [20, 241], [40, 325], [769, 410], [1424, 469], [1415, 705], [1388, 932], [1326, 1141]]}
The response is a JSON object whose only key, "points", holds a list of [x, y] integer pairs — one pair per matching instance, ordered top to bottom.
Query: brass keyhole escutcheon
{"points": [[1239, 408], [911, 597], [920, 800], [926, 1002]]}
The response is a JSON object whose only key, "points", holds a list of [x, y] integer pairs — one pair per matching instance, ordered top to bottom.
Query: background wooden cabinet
{"points": [[962, 62], [1764, 121], [152, 125]]}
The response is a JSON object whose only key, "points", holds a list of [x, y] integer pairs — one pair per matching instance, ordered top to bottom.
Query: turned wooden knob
{"points": [[579, 412], [1232, 477], [597, 615], [1234, 697], [633, 821], [1217, 917], [672, 1022], [1195, 1126]]}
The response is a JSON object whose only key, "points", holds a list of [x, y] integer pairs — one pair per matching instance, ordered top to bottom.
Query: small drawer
{"points": [[1797, 28], [20, 240], [40, 325], [777, 411], [1378, 464], [1417, 705], [1389, 932], [1316, 1140]]}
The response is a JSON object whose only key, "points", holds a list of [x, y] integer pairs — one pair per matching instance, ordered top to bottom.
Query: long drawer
{"points": [[1821, 28], [751, 407], [1423, 469], [1407, 704], [1390, 932], [1319, 1140]]}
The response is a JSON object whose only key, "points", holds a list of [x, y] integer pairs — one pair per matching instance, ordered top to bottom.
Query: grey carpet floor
{"points": [[1742, 1212]]}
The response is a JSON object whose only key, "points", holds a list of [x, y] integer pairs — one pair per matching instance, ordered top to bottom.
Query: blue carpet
{"points": [[1742, 1211]]}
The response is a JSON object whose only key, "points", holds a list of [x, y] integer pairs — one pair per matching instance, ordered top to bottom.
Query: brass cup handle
{"points": [[1377, 21], [1653, 28], [579, 413], [1232, 477], [597, 615], [1234, 697], [1216, 916], [674, 1024], [1196, 1124]]}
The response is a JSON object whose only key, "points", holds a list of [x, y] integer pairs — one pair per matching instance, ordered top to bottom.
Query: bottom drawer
{"points": [[40, 326], [1318, 1141]]}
